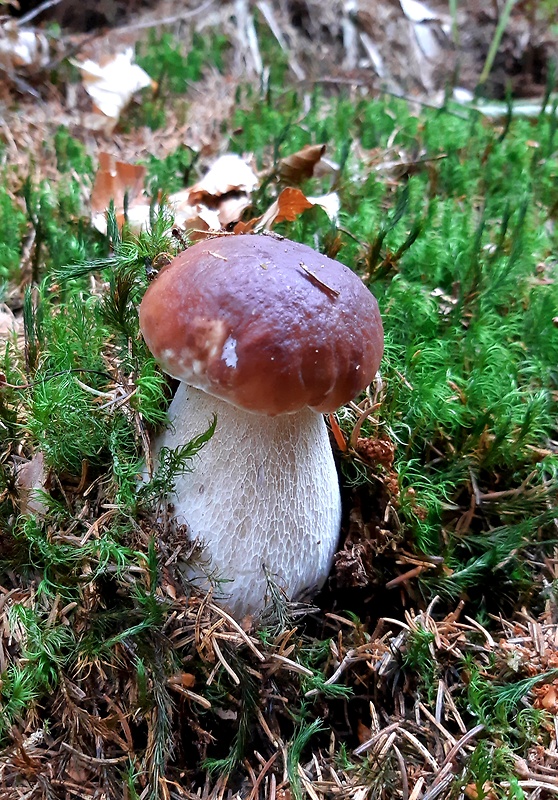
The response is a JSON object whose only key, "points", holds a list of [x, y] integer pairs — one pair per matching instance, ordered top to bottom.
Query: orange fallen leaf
{"points": [[114, 181], [288, 206], [184, 679], [547, 697], [471, 792]]}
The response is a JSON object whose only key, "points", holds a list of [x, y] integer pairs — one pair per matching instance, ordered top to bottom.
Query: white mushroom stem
{"points": [[263, 495]]}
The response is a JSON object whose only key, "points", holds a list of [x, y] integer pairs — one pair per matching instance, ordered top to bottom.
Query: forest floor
{"points": [[418, 145]]}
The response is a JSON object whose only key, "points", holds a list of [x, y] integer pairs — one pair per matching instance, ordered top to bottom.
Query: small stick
{"points": [[36, 11], [318, 280], [337, 433], [406, 576], [241, 632], [224, 663], [289, 664], [439, 726], [374, 739], [461, 744], [420, 747], [92, 759], [403, 770], [254, 793]]}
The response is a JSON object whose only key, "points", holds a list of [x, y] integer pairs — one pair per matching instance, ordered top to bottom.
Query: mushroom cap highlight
{"points": [[267, 324]]}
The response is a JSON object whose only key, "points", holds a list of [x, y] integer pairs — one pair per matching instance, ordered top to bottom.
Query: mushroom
{"points": [[267, 335]]}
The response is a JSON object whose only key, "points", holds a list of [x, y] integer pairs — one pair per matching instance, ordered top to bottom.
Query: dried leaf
{"points": [[416, 11], [22, 48], [112, 84], [301, 165], [325, 166], [230, 173], [114, 181], [212, 204], [330, 204], [288, 206], [232, 207], [218, 216], [193, 218], [246, 227], [9, 325], [31, 479], [184, 679], [547, 697], [363, 732], [471, 792]]}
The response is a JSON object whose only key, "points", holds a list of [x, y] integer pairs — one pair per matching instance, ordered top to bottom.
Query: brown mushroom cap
{"points": [[267, 324]]}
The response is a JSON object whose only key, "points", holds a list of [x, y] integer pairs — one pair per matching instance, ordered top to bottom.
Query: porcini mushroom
{"points": [[266, 334]]}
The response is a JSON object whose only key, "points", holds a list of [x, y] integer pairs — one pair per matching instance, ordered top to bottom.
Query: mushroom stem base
{"points": [[263, 497]]}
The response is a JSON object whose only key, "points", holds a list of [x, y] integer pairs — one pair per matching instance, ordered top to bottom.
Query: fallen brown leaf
{"points": [[22, 48], [111, 83], [300, 166], [212, 204], [32, 478]]}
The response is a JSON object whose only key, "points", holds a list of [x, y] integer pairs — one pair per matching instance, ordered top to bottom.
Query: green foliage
{"points": [[174, 66], [71, 153], [172, 173], [55, 216], [12, 227], [74, 414], [171, 464], [60, 563], [46, 648], [315, 657], [419, 660], [19, 692], [248, 704], [495, 704], [300, 739], [488, 766]]}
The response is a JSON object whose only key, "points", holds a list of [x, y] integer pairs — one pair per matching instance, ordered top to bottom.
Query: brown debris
{"points": [[301, 165], [117, 180], [376, 451], [31, 479]]}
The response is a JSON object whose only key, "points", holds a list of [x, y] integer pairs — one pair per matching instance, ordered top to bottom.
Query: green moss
{"points": [[71, 154], [12, 228]]}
